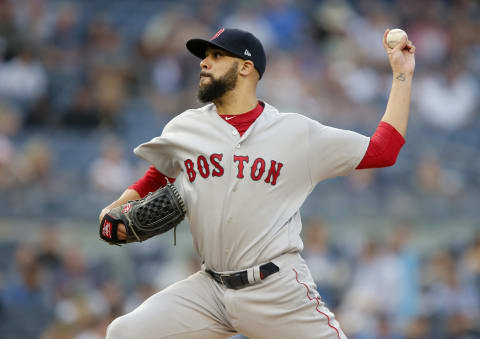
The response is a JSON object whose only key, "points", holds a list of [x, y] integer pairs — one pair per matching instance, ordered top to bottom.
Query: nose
{"points": [[204, 64]]}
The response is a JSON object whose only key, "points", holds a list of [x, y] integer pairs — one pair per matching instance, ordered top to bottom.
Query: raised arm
{"points": [[402, 62], [388, 139]]}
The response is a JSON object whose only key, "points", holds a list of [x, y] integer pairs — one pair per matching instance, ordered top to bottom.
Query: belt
{"points": [[238, 280]]}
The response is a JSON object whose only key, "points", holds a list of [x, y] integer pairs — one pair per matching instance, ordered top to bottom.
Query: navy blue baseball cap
{"points": [[242, 44]]}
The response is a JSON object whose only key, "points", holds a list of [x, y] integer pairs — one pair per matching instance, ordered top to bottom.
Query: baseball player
{"points": [[244, 169]]}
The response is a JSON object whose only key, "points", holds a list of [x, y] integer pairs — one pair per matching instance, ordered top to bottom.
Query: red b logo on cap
{"points": [[217, 34]]}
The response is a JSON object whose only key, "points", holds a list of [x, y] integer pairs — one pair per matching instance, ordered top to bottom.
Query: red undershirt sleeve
{"points": [[384, 147], [151, 181]]}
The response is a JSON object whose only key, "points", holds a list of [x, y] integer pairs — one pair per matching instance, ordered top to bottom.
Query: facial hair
{"points": [[218, 87]]}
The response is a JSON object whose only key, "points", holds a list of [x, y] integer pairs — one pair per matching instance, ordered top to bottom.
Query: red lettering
{"points": [[241, 159], [215, 160], [258, 162], [189, 166], [203, 169], [273, 172], [107, 229]]}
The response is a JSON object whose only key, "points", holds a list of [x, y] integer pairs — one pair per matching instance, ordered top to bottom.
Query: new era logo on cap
{"points": [[247, 53]]}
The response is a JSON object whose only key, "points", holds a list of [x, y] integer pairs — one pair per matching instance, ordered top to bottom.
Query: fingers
{"points": [[385, 45], [401, 45], [410, 47], [121, 232]]}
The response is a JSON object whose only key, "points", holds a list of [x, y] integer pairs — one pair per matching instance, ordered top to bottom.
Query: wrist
{"points": [[402, 76], [103, 212]]}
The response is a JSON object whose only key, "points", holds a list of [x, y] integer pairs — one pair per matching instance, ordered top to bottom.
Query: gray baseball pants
{"points": [[283, 305]]}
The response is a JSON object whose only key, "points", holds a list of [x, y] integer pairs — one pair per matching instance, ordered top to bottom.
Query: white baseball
{"points": [[394, 37]]}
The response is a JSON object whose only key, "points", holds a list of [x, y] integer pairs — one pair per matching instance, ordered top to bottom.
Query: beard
{"points": [[218, 87]]}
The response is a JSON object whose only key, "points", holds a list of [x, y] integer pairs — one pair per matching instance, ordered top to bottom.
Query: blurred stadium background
{"points": [[395, 252]]}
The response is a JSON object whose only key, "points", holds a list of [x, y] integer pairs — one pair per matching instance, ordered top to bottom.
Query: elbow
{"points": [[384, 147], [389, 160], [378, 161]]}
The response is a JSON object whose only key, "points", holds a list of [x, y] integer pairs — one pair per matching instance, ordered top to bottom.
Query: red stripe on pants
{"points": [[318, 303]]}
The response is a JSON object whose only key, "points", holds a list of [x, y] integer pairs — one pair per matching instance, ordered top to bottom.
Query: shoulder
{"points": [[189, 116], [290, 118]]}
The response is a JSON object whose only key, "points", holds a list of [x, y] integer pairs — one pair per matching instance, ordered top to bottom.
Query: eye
{"points": [[216, 55]]}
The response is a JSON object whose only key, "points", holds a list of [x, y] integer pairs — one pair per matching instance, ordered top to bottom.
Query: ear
{"points": [[246, 68]]}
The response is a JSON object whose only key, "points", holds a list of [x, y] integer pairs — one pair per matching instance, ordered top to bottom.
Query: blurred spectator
{"points": [[249, 16], [32, 18], [285, 18], [364, 29], [65, 34], [431, 34], [10, 37], [105, 47], [107, 61], [285, 69], [23, 78], [362, 84], [108, 95], [448, 99], [82, 112], [9, 126], [35, 166], [111, 172], [433, 179], [362, 181], [49, 256], [406, 260], [470, 265], [174, 270], [330, 271], [377, 274], [73, 279], [445, 288], [141, 293], [24, 297], [358, 304], [460, 326], [419, 328], [382, 330]]}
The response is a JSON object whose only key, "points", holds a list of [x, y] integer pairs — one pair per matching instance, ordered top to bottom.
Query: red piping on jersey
{"points": [[384, 147], [318, 303]]}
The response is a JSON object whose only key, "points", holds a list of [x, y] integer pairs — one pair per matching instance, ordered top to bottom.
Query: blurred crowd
{"points": [[84, 82], [379, 288]]}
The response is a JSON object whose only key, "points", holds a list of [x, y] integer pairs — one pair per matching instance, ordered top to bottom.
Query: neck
{"points": [[235, 103]]}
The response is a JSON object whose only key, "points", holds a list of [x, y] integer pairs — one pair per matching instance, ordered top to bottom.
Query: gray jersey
{"points": [[243, 193]]}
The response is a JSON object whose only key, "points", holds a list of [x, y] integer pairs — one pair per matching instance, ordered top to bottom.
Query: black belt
{"points": [[239, 280]]}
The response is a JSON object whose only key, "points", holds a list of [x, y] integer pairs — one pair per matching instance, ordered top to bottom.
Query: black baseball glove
{"points": [[157, 213]]}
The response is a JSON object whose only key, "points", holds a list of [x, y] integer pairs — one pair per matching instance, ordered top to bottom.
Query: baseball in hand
{"points": [[394, 37]]}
